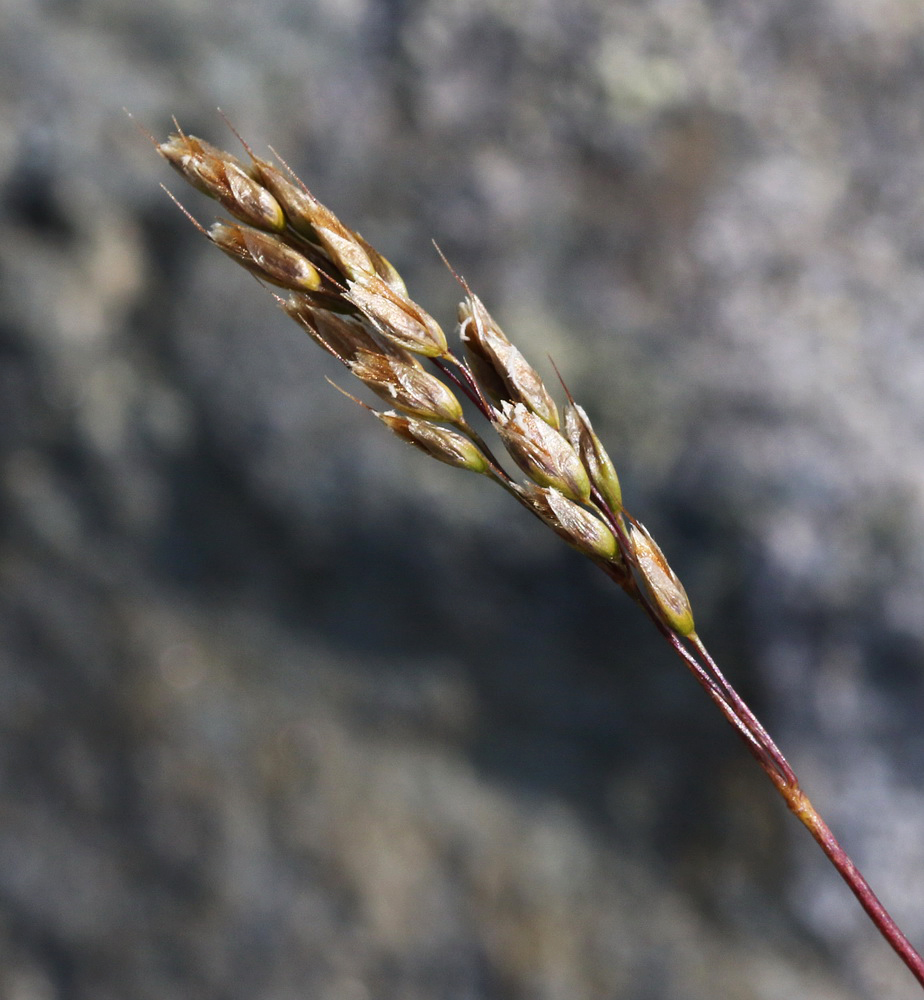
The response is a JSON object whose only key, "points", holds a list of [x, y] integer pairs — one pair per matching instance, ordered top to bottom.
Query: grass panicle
{"points": [[353, 303]]}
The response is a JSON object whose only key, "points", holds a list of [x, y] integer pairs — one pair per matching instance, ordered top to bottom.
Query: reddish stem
{"points": [[781, 774]]}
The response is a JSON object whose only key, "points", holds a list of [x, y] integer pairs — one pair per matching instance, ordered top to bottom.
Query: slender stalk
{"points": [[742, 709], [784, 779], [801, 807]]}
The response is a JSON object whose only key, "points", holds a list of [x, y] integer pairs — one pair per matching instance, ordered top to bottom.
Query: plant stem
{"points": [[784, 779], [800, 805]]}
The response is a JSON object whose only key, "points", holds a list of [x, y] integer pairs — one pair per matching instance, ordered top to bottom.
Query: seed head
{"points": [[219, 175], [266, 256], [509, 374], [440, 443], [541, 451], [599, 467], [661, 582]]}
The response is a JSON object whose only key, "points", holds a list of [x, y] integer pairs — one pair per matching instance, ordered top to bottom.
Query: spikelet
{"points": [[221, 176], [266, 256], [399, 319], [506, 374], [406, 386], [440, 443], [541, 451], [596, 461], [576, 525], [663, 586]]}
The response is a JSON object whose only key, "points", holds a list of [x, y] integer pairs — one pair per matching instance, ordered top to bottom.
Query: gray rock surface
{"points": [[287, 710]]}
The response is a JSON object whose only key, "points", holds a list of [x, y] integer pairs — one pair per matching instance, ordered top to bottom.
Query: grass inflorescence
{"points": [[353, 303]]}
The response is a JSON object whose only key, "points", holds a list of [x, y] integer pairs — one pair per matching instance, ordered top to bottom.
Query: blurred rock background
{"points": [[288, 711]]}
